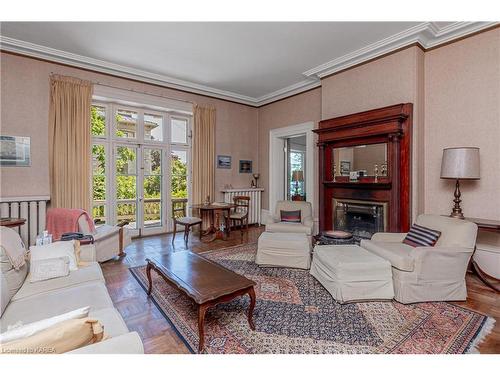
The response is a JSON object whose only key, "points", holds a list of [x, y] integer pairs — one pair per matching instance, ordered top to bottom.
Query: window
{"points": [[98, 121], [126, 123], [179, 130], [133, 178]]}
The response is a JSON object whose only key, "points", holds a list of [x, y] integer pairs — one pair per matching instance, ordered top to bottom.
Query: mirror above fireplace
{"points": [[361, 159]]}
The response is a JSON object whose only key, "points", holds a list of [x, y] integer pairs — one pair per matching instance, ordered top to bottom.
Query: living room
{"points": [[251, 187]]}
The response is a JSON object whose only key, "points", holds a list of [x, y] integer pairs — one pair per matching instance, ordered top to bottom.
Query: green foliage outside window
{"points": [[126, 184]]}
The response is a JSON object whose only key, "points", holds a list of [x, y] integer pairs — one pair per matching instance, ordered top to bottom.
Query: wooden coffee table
{"points": [[205, 282]]}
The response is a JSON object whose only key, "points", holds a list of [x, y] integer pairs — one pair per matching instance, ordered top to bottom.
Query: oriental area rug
{"points": [[295, 314]]}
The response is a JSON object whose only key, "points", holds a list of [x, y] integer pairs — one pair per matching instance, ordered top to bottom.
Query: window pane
{"points": [[98, 121], [126, 124], [153, 127], [179, 130], [125, 160], [152, 161], [178, 165], [99, 182], [152, 187], [99, 214]]}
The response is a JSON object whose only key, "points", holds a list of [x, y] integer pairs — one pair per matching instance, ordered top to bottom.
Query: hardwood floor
{"points": [[158, 336]]}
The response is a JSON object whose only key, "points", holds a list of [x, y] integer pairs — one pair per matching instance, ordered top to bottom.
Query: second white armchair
{"points": [[274, 223]]}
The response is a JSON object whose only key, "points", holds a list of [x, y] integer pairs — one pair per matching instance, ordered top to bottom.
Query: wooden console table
{"points": [[489, 226]]}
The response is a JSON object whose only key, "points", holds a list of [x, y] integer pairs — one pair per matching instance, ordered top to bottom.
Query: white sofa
{"points": [[275, 225], [422, 274], [26, 302]]}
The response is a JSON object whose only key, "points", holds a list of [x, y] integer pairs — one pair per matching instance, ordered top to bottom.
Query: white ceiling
{"points": [[252, 63]]}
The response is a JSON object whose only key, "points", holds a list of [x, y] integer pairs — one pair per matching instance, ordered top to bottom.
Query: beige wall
{"points": [[397, 78], [462, 108], [295, 110], [24, 112]]}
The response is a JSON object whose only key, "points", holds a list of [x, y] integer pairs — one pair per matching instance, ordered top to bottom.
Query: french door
{"points": [[140, 164], [139, 188]]}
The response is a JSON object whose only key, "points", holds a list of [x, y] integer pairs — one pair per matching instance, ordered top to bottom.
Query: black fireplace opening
{"points": [[360, 218]]}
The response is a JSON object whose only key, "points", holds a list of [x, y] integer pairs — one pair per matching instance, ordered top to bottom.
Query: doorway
{"points": [[291, 151]]}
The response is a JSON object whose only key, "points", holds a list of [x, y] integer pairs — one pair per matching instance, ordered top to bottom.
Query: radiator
{"points": [[30, 208], [254, 214]]}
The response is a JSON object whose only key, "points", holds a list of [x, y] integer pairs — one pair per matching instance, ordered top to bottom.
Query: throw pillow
{"points": [[290, 216], [421, 236], [56, 250], [46, 269], [20, 331], [60, 338]]}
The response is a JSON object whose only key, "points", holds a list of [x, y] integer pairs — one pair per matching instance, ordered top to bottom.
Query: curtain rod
{"points": [[138, 92]]}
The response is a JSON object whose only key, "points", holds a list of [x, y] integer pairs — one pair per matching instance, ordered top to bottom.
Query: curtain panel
{"points": [[70, 142], [203, 154]]}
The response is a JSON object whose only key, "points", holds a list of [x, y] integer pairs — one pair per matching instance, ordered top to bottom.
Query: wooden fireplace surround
{"points": [[391, 125]]}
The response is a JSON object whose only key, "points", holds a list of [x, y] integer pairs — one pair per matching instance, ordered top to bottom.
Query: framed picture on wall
{"points": [[15, 151], [224, 161], [245, 166], [345, 167]]}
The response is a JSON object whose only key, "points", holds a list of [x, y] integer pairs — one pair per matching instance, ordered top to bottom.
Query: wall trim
{"points": [[428, 35]]}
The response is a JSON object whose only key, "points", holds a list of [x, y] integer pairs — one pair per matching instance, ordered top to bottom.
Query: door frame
{"points": [[277, 160]]}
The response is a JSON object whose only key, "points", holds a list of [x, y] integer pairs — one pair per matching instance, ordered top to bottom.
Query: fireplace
{"points": [[362, 218]]}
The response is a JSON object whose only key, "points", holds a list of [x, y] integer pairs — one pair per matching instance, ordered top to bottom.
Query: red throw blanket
{"points": [[64, 220]]}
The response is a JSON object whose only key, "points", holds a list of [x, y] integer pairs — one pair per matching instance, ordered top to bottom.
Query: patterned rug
{"points": [[295, 314]]}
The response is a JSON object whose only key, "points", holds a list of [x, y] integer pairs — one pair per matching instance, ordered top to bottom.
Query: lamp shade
{"points": [[460, 163], [298, 176]]}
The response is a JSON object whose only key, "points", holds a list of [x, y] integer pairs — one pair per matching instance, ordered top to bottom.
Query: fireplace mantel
{"points": [[389, 125]]}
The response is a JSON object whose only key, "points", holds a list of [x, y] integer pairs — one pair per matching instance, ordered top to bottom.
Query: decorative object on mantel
{"points": [[15, 151], [223, 162], [460, 163], [245, 166], [334, 172], [376, 172]]}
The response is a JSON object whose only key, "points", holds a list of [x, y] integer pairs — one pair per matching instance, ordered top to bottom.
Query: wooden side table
{"points": [[12, 222], [489, 226]]}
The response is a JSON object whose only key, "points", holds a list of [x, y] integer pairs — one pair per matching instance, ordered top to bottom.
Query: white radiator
{"points": [[30, 208], [254, 214]]}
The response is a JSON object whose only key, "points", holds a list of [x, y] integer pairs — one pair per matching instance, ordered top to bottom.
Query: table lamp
{"points": [[460, 163], [297, 176]]}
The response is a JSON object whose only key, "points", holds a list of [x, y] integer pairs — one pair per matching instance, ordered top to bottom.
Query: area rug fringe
{"points": [[481, 336]]}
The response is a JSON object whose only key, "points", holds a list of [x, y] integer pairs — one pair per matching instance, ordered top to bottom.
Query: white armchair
{"points": [[274, 223], [109, 240], [422, 274]]}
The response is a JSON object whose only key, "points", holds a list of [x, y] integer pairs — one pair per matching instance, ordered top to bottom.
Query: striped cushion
{"points": [[290, 216], [421, 236]]}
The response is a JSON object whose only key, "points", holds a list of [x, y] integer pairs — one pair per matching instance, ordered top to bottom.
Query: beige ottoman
{"points": [[292, 250], [351, 273]]}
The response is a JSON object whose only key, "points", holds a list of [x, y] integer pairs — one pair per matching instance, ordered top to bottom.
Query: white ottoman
{"points": [[292, 250], [351, 273]]}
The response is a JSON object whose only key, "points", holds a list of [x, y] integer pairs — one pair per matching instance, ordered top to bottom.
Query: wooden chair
{"points": [[240, 213], [179, 216]]}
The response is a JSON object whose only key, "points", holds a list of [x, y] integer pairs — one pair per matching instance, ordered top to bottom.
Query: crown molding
{"points": [[427, 34], [68, 58]]}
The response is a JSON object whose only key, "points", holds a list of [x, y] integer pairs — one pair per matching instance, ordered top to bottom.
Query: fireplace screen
{"points": [[361, 218]]}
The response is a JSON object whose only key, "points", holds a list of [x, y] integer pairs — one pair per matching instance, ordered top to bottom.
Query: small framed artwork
{"points": [[15, 151], [223, 161], [245, 166], [345, 167]]}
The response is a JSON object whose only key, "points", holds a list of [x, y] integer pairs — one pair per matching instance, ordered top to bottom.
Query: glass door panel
{"points": [[178, 174], [99, 184], [126, 185], [153, 200]]}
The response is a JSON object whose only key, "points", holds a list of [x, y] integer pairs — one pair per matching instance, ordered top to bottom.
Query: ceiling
{"points": [[249, 62]]}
